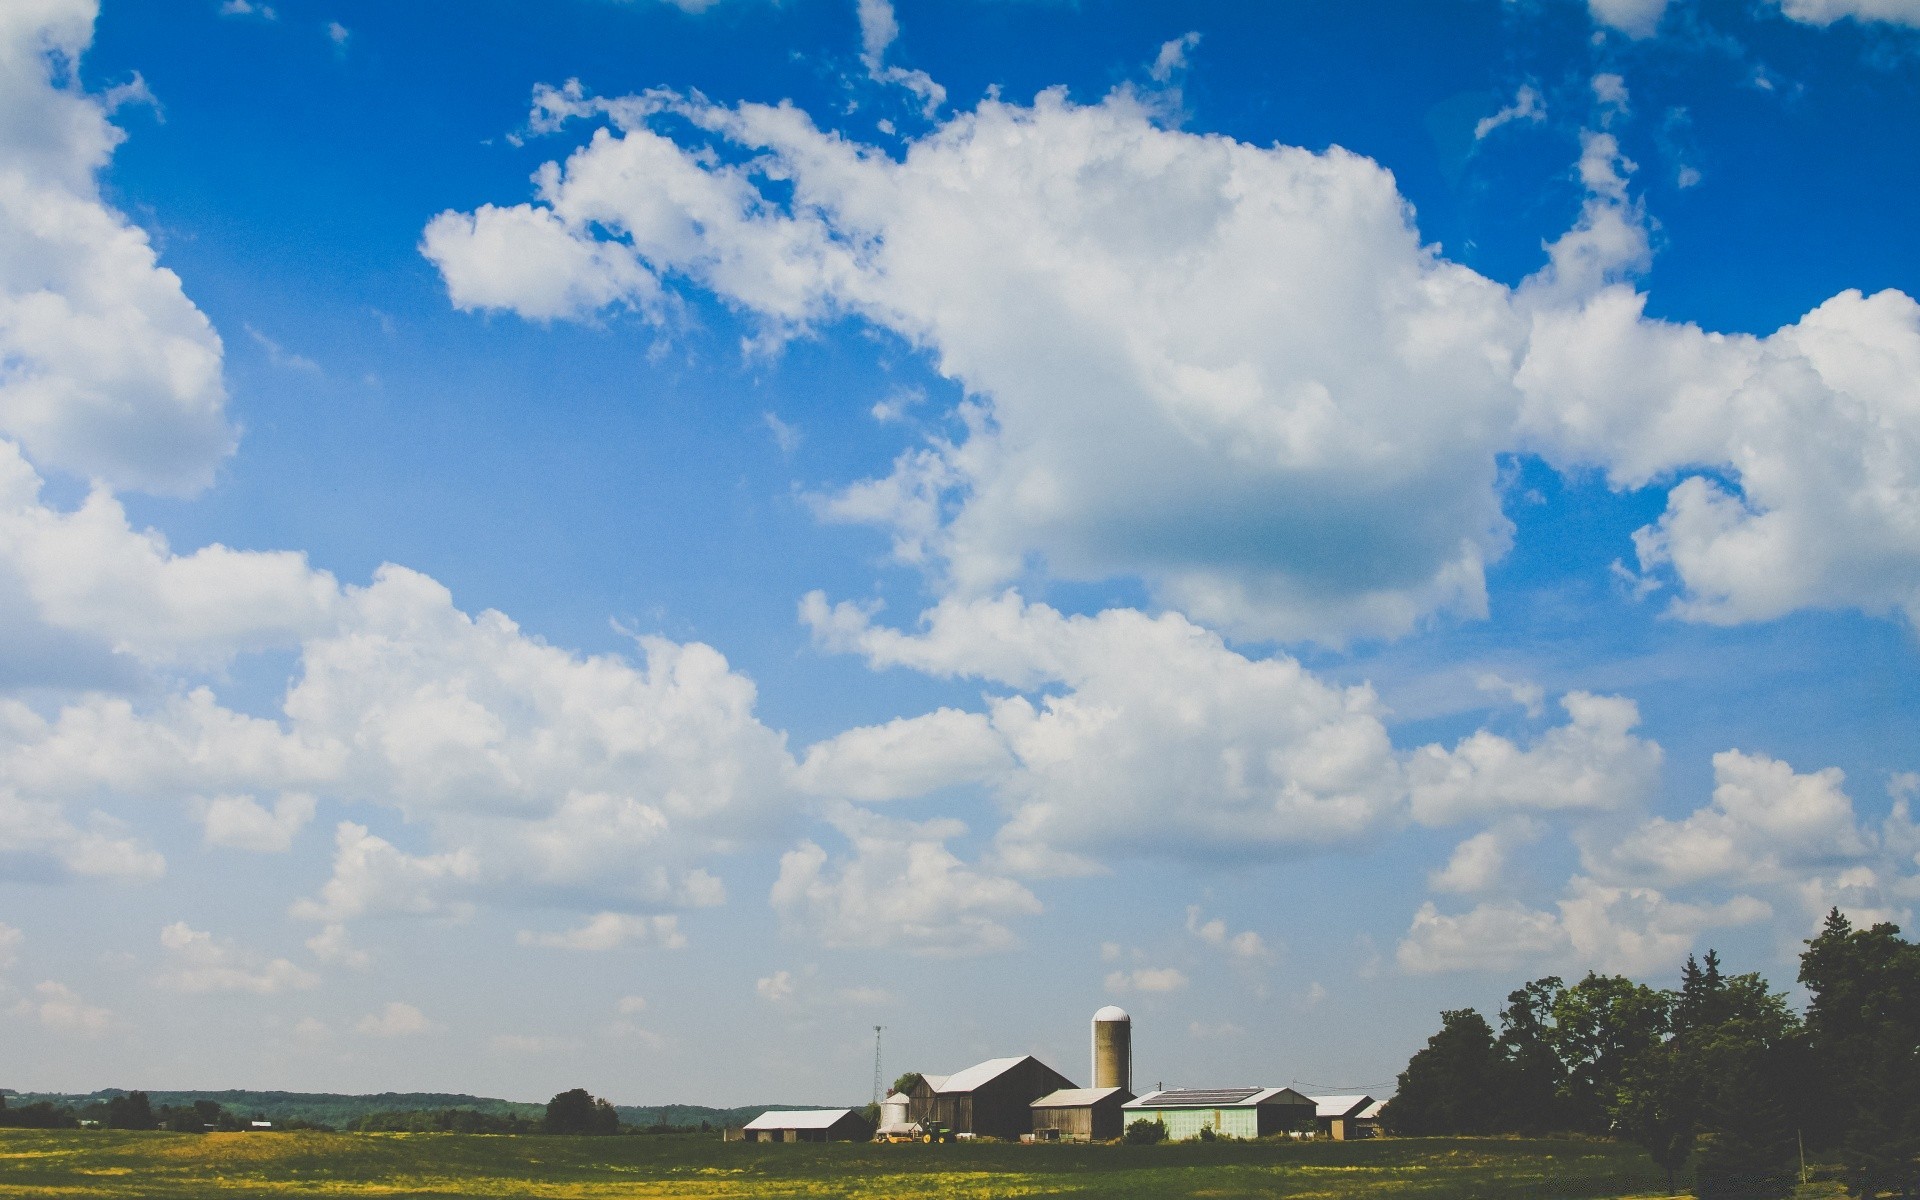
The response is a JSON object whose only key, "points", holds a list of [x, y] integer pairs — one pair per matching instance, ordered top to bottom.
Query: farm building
{"points": [[989, 1099], [1228, 1112], [1080, 1114], [1339, 1116], [1366, 1122], [823, 1125]]}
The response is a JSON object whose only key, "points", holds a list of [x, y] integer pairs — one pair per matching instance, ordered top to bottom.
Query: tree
{"points": [[1600, 1025], [1863, 1029], [1536, 1080], [904, 1082], [1454, 1085], [1658, 1105], [130, 1111], [580, 1112], [1749, 1153]]}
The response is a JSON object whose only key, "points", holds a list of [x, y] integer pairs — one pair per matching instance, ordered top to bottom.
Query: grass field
{"points": [[115, 1164]]}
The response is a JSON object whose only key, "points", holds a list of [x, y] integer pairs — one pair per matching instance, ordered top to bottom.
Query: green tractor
{"points": [[935, 1133]]}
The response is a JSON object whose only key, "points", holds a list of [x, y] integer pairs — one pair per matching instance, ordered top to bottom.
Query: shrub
{"points": [[1145, 1133]]}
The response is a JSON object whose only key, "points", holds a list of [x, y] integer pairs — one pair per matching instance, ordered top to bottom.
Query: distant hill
{"points": [[327, 1108]]}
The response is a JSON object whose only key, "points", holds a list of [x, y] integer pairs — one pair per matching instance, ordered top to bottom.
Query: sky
{"points": [[624, 544]]}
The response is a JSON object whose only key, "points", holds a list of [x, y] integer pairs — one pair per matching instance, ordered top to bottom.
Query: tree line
{"points": [[1721, 1071], [573, 1112]]}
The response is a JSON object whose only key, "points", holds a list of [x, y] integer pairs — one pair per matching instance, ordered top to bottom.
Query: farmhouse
{"points": [[989, 1099], [1226, 1112], [1080, 1114], [823, 1125]]}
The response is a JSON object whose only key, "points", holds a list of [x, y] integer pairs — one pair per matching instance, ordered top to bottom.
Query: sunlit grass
{"points": [[95, 1163]]}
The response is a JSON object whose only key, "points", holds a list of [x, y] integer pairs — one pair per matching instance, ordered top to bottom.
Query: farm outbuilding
{"points": [[989, 1099], [1227, 1112], [1080, 1114], [1339, 1116], [821, 1125]]}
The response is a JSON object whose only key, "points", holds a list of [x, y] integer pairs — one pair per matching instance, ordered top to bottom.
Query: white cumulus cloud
{"points": [[107, 370], [901, 888], [199, 962]]}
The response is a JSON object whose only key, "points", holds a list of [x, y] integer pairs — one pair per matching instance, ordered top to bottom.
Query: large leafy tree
{"points": [[1863, 1025], [1600, 1026], [1536, 1079], [1456, 1084], [579, 1111]]}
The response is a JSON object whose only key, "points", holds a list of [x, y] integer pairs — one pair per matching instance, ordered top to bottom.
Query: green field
{"points": [[102, 1163]]}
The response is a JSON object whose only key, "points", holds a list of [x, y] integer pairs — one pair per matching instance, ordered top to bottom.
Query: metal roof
{"points": [[1113, 1012], [976, 1075], [936, 1082], [1075, 1097], [1241, 1097], [1339, 1106], [1372, 1111], [811, 1119]]}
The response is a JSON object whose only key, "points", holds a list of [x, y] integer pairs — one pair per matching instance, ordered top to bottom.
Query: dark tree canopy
{"points": [[1863, 1027], [1454, 1085], [130, 1111], [580, 1112]]}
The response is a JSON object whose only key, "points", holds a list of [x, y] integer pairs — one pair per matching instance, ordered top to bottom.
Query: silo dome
{"points": [[1112, 1012]]}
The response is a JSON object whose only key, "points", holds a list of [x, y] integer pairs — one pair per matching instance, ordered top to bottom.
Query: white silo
{"points": [[1113, 1048]]}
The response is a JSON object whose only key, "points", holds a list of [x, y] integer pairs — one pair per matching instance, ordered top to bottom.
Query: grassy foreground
{"points": [[116, 1164]]}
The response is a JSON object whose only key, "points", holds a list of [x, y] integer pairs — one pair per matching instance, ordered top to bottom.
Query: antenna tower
{"points": [[876, 1062]]}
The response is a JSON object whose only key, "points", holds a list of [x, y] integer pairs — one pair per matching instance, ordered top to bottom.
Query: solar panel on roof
{"points": [[1204, 1098]]}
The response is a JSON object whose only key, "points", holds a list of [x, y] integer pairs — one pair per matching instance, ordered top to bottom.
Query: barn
{"points": [[989, 1099], [1227, 1112], [1080, 1114], [1339, 1116], [818, 1125]]}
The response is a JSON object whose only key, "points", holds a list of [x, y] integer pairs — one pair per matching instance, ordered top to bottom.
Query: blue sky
{"points": [[622, 545]]}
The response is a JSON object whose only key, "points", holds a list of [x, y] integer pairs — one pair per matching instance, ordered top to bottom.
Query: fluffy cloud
{"points": [[1826, 12], [1635, 18], [1172, 332], [109, 371], [1235, 372], [1818, 424], [1149, 736], [1165, 740], [909, 756], [1593, 762], [535, 769], [1764, 819], [243, 823], [1770, 827], [38, 840], [1479, 862], [371, 875], [900, 888], [610, 930], [1632, 931], [333, 945], [1245, 945], [199, 962], [1146, 979], [62, 1010], [396, 1020]]}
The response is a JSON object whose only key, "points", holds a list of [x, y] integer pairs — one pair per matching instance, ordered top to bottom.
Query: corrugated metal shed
{"points": [[971, 1078], [1075, 1097], [1219, 1098], [1339, 1106], [1242, 1112], [802, 1119]]}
